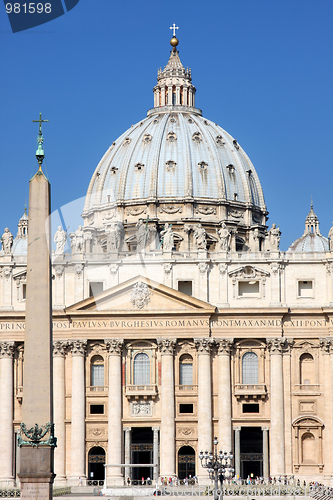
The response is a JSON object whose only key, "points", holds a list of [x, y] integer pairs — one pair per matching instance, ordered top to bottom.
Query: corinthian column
{"points": [[59, 351], [224, 394], [204, 401], [78, 412], [6, 414], [167, 435], [277, 440], [113, 474]]}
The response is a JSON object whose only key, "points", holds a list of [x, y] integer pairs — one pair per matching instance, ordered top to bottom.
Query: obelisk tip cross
{"points": [[174, 28], [40, 139]]}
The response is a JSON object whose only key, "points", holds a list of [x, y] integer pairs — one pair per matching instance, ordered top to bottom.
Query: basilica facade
{"points": [[176, 317]]}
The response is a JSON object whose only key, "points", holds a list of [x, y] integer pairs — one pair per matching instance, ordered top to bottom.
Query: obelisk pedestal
{"points": [[37, 434]]}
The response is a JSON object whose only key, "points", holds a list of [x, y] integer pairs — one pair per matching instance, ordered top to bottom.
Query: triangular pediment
{"points": [[141, 295]]}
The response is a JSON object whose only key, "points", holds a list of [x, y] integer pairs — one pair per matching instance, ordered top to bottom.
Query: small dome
{"points": [[312, 240], [20, 246]]}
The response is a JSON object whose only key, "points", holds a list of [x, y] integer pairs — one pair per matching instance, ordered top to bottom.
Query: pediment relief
{"points": [[248, 272], [20, 275], [141, 295], [249, 343], [305, 344], [308, 421]]}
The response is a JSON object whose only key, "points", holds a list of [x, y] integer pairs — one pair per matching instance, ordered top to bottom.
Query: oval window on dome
{"points": [[171, 137], [196, 137], [146, 139], [127, 140], [219, 140], [203, 165]]}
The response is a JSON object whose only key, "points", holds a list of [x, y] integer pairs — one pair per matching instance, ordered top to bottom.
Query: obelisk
{"points": [[37, 434]]}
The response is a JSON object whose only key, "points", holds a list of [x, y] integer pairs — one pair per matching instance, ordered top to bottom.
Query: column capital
{"points": [[224, 345], [279, 345], [326, 345], [114, 346], [166, 346], [204, 346], [60, 347], [78, 347], [7, 349], [127, 428], [265, 428], [155, 429], [238, 429]]}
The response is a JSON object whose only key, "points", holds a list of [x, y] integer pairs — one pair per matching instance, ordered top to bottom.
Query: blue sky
{"points": [[262, 69]]}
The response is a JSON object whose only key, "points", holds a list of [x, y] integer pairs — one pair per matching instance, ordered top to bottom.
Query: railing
{"points": [[307, 387], [97, 388], [185, 388], [141, 390], [254, 390]]}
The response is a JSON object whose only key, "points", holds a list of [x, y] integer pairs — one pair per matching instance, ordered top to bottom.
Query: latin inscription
{"points": [[175, 323], [38, 491]]}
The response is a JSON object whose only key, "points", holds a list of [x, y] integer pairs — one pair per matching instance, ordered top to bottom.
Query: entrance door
{"points": [[142, 452], [251, 452], [96, 461], [186, 462]]}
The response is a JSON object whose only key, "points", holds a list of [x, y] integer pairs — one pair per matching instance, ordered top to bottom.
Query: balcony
{"points": [[96, 389], [186, 389], [307, 389], [141, 391], [250, 391]]}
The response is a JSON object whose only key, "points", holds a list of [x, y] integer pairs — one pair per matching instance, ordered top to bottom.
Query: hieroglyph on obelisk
{"points": [[36, 438]]}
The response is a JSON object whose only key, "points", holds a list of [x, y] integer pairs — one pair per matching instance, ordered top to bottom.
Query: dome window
{"points": [[173, 119], [190, 120], [155, 121], [206, 122], [171, 137], [196, 137], [147, 139], [127, 140], [219, 140], [235, 143], [170, 165], [203, 165], [139, 167], [231, 168], [113, 170]]}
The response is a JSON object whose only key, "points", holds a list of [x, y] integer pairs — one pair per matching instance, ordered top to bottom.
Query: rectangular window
{"points": [[95, 287], [185, 287], [248, 288], [305, 289], [24, 291], [186, 374], [97, 375], [185, 408], [250, 408], [96, 409]]}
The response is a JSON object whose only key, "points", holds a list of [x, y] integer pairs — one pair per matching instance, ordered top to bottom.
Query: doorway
{"points": [[142, 452], [251, 452], [96, 461], [186, 462]]}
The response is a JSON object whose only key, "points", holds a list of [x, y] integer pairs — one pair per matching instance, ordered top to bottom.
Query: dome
{"points": [[178, 167], [312, 240], [20, 243]]}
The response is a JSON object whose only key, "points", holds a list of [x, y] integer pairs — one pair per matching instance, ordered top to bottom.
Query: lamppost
{"points": [[217, 464]]}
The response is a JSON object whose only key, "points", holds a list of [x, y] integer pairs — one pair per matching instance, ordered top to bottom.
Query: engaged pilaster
{"points": [[326, 345], [78, 349], [59, 352], [224, 393], [6, 413], [277, 437], [205, 441], [127, 447], [168, 448], [155, 451], [265, 456], [113, 474]]}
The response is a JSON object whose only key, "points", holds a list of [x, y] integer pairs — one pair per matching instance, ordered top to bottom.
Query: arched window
{"points": [[306, 366], [250, 368], [141, 369], [186, 370], [97, 371]]}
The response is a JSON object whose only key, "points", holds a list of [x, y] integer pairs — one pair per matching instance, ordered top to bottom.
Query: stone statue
{"points": [[199, 234], [142, 235], [115, 236], [224, 236], [274, 236], [330, 237], [167, 238], [60, 239], [77, 240], [7, 241]]}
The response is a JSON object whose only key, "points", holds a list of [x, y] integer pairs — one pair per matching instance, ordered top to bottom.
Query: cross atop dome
{"points": [[174, 28]]}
